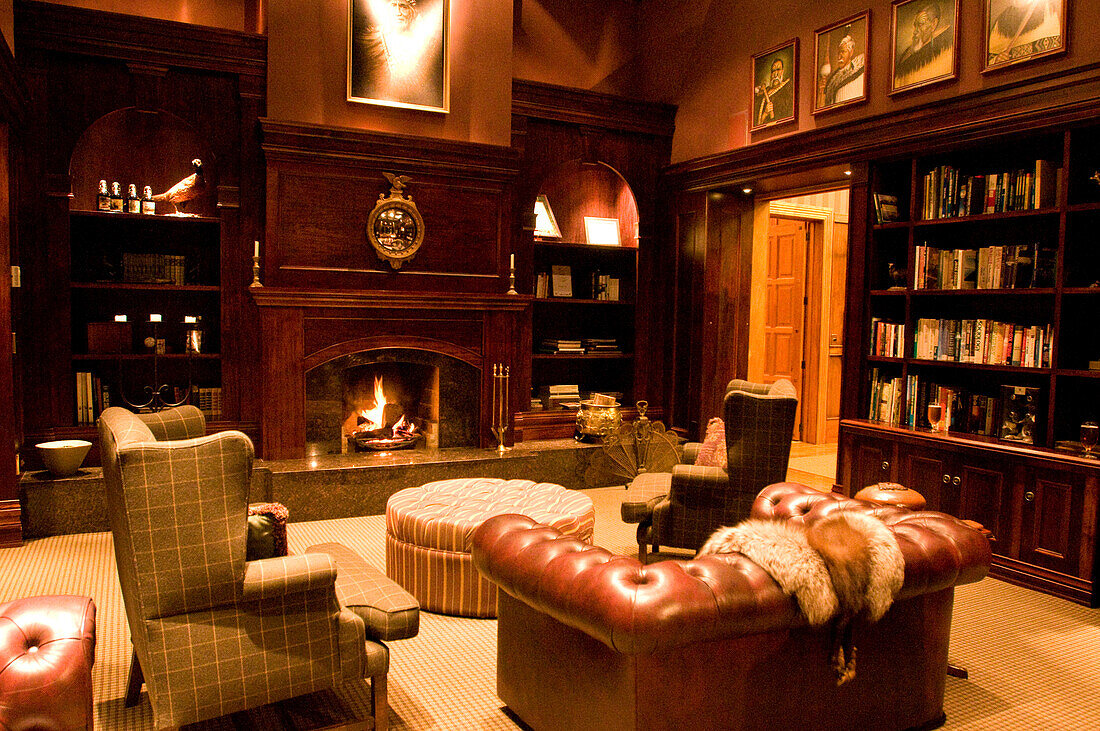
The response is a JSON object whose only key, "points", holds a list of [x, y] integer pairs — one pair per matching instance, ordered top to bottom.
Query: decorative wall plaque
{"points": [[395, 227]]}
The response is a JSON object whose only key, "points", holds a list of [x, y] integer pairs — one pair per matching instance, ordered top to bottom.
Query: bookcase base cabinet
{"points": [[1040, 506]]}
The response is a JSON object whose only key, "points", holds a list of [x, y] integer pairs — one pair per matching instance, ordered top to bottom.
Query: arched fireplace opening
{"points": [[391, 398]]}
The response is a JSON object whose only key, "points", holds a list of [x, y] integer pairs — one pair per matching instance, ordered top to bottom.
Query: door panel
{"points": [[785, 292], [924, 470], [984, 497], [1051, 531]]}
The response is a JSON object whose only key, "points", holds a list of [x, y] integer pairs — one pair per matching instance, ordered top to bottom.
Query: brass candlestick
{"points": [[256, 272], [512, 275], [499, 425]]}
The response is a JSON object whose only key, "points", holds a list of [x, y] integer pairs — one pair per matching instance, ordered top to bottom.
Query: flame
{"points": [[375, 416], [404, 428]]}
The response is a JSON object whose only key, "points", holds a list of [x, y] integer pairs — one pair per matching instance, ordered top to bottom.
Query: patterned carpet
{"points": [[1034, 660]]}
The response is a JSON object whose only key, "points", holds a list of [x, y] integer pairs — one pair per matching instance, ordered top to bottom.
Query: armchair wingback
{"points": [[682, 508], [214, 633]]}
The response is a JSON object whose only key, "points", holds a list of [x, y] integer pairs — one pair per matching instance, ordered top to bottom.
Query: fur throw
{"points": [[844, 565]]}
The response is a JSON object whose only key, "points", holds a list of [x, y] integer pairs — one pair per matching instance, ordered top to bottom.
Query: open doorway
{"points": [[796, 326]]}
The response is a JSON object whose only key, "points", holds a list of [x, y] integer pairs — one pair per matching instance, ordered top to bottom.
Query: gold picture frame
{"points": [[1014, 33], [924, 43], [398, 53], [842, 63], [775, 86], [395, 227], [601, 231]]}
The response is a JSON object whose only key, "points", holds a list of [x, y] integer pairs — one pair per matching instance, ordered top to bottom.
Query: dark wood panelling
{"points": [[579, 107], [323, 183]]}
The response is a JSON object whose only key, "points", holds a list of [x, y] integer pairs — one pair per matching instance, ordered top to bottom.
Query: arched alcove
{"points": [[152, 148], [577, 189]]}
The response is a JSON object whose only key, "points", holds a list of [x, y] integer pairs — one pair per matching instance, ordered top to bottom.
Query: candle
{"points": [[256, 250], [512, 261], [120, 318], [154, 318]]}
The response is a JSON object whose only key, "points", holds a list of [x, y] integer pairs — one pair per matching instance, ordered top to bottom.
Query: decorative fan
{"points": [[636, 447]]}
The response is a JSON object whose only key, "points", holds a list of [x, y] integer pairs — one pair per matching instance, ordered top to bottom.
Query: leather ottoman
{"points": [[428, 531], [47, 647]]}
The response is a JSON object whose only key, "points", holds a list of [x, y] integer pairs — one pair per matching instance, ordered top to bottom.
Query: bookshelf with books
{"points": [[981, 295]]}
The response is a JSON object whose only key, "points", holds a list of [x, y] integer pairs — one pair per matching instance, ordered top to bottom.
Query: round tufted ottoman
{"points": [[428, 532], [47, 647]]}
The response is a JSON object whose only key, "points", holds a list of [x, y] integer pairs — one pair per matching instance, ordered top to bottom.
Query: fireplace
{"points": [[391, 398]]}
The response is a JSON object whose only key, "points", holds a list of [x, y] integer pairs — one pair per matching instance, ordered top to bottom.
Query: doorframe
{"points": [[819, 252]]}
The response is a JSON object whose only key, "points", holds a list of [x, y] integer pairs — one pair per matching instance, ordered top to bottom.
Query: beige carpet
{"points": [[1034, 660]]}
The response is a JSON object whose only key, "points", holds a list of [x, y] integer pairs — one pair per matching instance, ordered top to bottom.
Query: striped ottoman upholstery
{"points": [[428, 532]]}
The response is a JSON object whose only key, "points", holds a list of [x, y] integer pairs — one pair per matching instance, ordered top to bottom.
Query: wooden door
{"points": [[785, 308], [866, 460], [929, 472], [1051, 530]]}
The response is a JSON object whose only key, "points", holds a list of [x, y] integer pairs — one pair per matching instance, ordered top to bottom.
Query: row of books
{"points": [[948, 193], [1010, 266], [153, 268], [558, 282], [605, 287], [887, 338], [984, 341], [579, 346], [558, 396], [92, 397], [886, 398], [208, 400], [963, 410]]}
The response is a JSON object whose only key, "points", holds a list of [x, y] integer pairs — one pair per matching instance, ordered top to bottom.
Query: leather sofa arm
{"points": [[939, 550], [271, 578], [631, 607]]}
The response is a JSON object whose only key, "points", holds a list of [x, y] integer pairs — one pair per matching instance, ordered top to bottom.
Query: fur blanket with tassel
{"points": [[843, 566]]}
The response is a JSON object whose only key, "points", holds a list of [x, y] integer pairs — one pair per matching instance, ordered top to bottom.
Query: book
{"points": [[886, 207]]}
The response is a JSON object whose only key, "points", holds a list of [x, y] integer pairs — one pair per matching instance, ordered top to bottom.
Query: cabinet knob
{"points": [[885, 466], [946, 479], [955, 481], [1029, 496]]}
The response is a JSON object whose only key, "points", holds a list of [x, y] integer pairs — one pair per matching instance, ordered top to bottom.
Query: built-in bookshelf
{"points": [[981, 295]]}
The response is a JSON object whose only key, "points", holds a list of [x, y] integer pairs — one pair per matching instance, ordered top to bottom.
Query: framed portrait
{"points": [[1022, 30], [924, 43], [397, 53], [840, 54], [775, 86], [601, 231]]}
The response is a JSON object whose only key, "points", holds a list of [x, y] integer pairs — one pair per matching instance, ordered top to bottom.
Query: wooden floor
{"points": [[813, 465]]}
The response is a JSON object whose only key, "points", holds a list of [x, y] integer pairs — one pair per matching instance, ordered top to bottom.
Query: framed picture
{"points": [[1022, 30], [924, 43], [840, 52], [397, 53], [774, 86], [546, 226], [601, 231]]}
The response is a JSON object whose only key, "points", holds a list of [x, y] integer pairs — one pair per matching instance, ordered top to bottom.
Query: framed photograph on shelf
{"points": [[1016, 31], [924, 46], [840, 52], [397, 53], [774, 82], [886, 208], [546, 226], [601, 231], [561, 281]]}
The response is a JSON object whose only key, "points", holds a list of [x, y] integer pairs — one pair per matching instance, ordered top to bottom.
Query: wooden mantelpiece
{"points": [[303, 328]]}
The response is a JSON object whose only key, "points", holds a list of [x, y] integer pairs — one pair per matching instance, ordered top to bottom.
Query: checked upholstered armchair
{"points": [[682, 508], [213, 632]]}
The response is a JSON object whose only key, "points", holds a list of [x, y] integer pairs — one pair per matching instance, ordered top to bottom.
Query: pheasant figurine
{"points": [[185, 190]]}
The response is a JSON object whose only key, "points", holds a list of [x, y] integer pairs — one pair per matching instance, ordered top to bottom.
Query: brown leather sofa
{"points": [[591, 640], [47, 648]]}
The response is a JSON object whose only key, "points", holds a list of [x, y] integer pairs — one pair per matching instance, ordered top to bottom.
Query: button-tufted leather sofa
{"points": [[591, 640], [47, 647]]}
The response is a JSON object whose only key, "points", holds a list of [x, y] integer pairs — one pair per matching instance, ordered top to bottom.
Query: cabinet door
{"points": [[872, 461], [930, 472], [985, 496], [1050, 536]]}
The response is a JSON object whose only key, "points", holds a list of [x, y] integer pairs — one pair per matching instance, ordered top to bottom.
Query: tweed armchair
{"points": [[680, 509], [212, 632]]}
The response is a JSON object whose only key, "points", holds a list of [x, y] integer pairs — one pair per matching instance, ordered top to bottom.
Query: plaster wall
{"points": [[230, 14], [307, 66]]}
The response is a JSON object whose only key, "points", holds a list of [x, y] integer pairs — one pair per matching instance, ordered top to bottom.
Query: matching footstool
{"points": [[428, 532]]}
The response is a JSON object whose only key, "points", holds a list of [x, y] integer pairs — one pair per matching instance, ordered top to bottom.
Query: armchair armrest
{"points": [[691, 452], [690, 477], [270, 578]]}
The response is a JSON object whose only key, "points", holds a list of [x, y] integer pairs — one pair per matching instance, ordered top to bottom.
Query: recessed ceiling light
{"points": [[847, 172], [746, 191]]}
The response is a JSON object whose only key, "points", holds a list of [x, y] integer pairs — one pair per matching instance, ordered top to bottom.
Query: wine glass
{"points": [[935, 415], [1090, 431]]}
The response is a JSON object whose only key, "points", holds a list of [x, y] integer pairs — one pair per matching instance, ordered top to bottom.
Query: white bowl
{"points": [[64, 457]]}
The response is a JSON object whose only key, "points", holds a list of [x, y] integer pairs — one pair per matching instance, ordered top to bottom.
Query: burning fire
{"points": [[376, 416]]}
